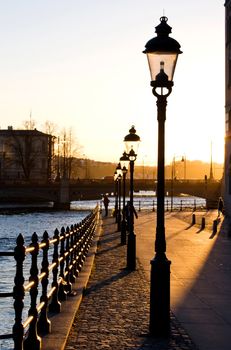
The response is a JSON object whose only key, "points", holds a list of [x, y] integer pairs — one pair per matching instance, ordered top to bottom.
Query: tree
{"points": [[29, 124], [50, 127], [68, 149], [22, 152]]}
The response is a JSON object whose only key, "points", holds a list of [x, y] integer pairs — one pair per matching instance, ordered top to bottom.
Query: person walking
{"points": [[106, 203], [220, 207], [128, 211]]}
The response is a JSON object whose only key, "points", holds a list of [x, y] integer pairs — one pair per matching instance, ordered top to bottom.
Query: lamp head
{"points": [[162, 52], [132, 140], [132, 155], [124, 160], [119, 170], [124, 170], [115, 175]]}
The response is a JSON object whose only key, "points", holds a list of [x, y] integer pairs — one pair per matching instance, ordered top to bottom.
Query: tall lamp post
{"points": [[162, 52], [131, 143], [124, 160], [184, 160], [173, 175], [119, 177], [116, 195]]}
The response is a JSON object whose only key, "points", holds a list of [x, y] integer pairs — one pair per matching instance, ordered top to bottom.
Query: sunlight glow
{"points": [[86, 70]]}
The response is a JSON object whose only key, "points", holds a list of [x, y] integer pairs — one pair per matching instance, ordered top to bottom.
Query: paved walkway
{"points": [[200, 274], [114, 312]]}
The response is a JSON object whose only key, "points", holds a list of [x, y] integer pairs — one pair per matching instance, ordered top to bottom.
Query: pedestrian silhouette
{"points": [[106, 203], [220, 206], [128, 211]]}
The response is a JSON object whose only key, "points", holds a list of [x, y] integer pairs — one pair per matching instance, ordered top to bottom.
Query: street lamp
{"points": [[162, 52], [131, 143], [124, 160], [184, 160], [173, 175], [119, 177], [116, 195]]}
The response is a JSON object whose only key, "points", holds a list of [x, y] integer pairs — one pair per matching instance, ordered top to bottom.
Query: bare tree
{"points": [[29, 124], [50, 128], [69, 148], [22, 153]]}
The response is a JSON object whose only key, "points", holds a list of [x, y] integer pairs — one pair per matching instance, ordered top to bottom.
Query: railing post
{"points": [[181, 202], [153, 205], [167, 205], [139, 206], [195, 206], [193, 219], [203, 223], [90, 233], [78, 235], [84, 242], [81, 244], [78, 248], [73, 255], [68, 286], [62, 291], [18, 293], [55, 305], [44, 324], [33, 341]]}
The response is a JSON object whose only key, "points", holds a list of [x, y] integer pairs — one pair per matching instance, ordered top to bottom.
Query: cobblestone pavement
{"points": [[114, 312]]}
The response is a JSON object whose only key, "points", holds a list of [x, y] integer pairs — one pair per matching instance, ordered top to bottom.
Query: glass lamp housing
{"points": [[162, 60], [132, 141], [132, 156], [124, 160], [119, 170], [124, 170]]}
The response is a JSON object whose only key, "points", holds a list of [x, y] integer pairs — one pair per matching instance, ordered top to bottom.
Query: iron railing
{"points": [[67, 249]]}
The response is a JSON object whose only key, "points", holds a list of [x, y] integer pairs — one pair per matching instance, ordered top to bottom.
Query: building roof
{"points": [[34, 132]]}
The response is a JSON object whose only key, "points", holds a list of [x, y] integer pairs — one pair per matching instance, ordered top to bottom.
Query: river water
{"points": [[28, 223]]}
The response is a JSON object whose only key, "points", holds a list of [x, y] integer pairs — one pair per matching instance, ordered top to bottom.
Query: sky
{"points": [[79, 64]]}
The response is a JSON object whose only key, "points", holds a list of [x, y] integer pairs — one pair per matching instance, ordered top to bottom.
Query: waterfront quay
{"points": [[64, 192], [108, 306], [114, 312]]}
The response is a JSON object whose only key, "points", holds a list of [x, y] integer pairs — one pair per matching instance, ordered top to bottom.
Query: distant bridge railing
{"points": [[94, 188], [171, 205], [67, 250]]}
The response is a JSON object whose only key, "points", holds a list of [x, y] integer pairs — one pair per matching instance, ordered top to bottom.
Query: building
{"points": [[25, 155], [227, 165]]}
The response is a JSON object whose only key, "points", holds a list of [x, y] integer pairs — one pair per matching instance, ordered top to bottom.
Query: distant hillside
{"points": [[192, 169], [195, 169]]}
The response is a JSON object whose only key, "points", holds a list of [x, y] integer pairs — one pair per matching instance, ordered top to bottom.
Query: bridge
{"points": [[63, 192]]}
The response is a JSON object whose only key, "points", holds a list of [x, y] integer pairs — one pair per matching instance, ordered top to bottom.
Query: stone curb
{"points": [[61, 323]]}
